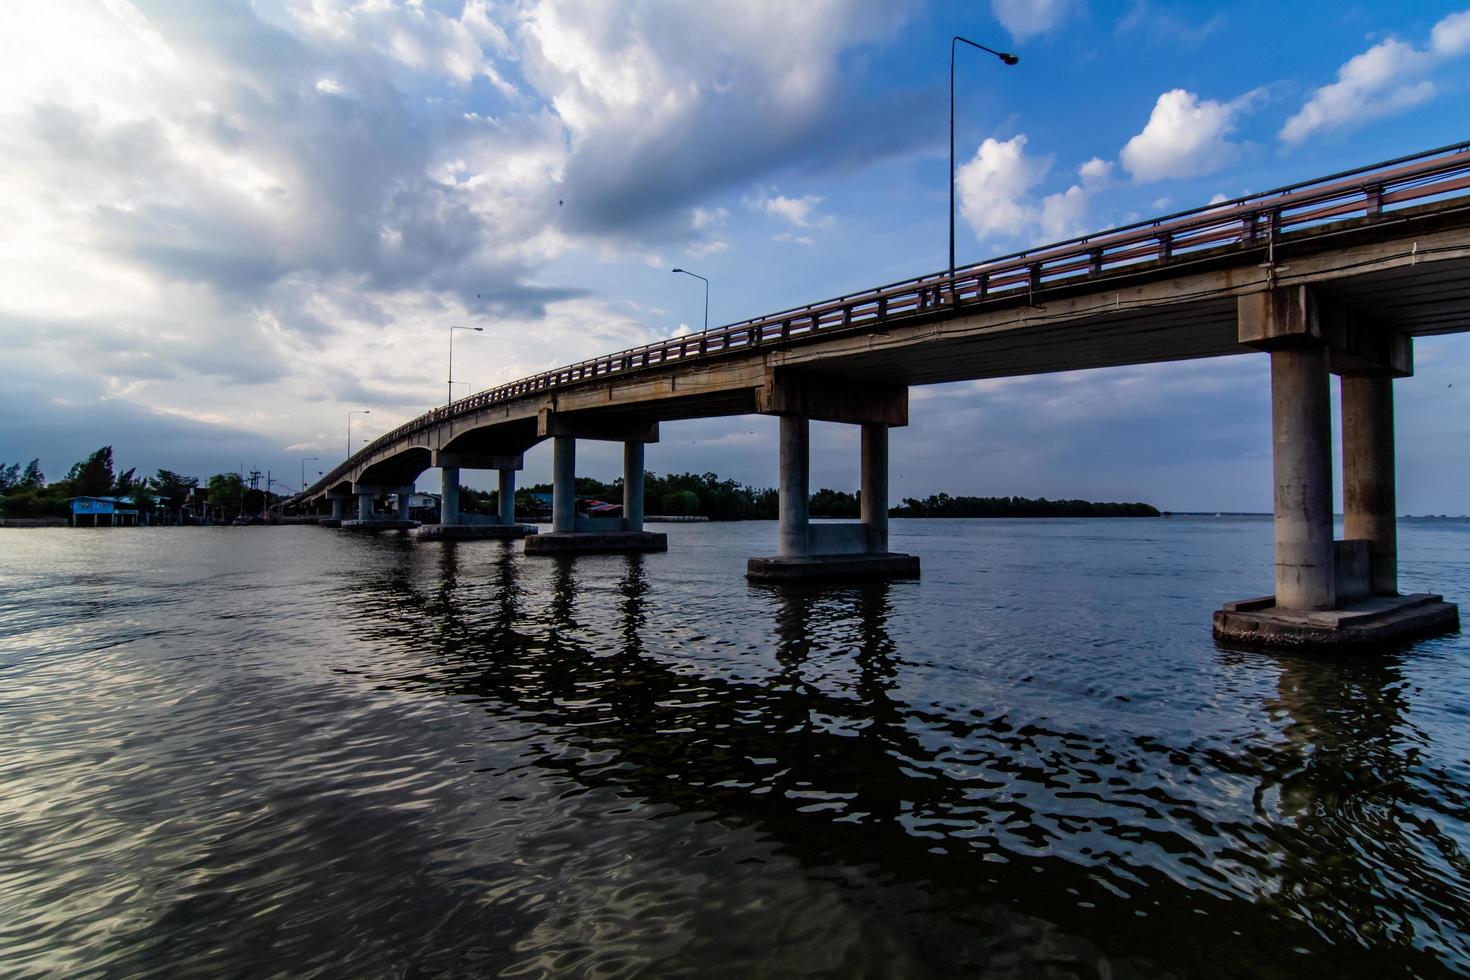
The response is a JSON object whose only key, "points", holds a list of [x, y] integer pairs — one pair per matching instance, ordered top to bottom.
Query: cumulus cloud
{"points": [[1026, 18], [1387, 78], [656, 123], [1185, 136], [996, 190], [800, 212]]}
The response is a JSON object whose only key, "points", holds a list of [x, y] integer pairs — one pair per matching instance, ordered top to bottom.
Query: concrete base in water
{"points": [[329, 522], [379, 524], [474, 532], [582, 542], [830, 567], [1374, 621]]}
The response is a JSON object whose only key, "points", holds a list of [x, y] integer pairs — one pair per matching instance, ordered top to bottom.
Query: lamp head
{"points": [[1009, 58], [677, 270]]}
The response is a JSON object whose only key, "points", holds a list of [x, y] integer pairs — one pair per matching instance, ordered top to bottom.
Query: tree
{"points": [[9, 477], [93, 477], [33, 478], [175, 487], [226, 490]]}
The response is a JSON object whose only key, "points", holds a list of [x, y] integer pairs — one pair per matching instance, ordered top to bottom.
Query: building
{"points": [[103, 512]]}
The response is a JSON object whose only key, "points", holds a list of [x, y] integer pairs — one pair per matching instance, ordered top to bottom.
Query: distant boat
{"points": [[1219, 515]]}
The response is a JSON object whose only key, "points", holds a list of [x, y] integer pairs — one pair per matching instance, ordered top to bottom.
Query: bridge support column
{"points": [[1301, 436], [1368, 476], [563, 485], [633, 486], [794, 487], [448, 495], [507, 496], [874, 496], [405, 502], [365, 504], [339, 508], [456, 525], [571, 534], [827, 550], [1330, 594]]}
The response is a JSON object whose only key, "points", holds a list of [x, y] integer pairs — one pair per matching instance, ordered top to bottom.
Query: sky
{"points": [[225, 225]]}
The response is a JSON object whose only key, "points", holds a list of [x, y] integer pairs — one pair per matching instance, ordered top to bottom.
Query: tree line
{"points": [[25, 491], [726, 500]]}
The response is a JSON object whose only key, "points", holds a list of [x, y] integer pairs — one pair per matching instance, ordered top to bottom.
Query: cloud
{"points": [[1025, 18], [1387, 78], [655, 123], [1185, 136], [996, 192], [800, 212], [708, 218]]}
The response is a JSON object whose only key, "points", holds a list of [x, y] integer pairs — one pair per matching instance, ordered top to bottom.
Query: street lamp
{"points": [[1006, 58], [706, 293], [451, 357], [349, 427], [304, 461]]}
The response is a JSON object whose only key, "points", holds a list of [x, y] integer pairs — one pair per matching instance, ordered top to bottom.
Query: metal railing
{"points": [[1254, 221]]}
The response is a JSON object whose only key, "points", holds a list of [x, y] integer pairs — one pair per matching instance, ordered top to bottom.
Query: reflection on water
{"points": [[398, 758]]}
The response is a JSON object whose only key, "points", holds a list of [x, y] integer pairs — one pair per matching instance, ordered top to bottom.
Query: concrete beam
{"points": [[1291, 317], [832, 399], [551, 424], [478, 461]]}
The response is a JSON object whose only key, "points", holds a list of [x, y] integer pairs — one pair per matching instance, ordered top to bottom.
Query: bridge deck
{"points": [[1391, 239]]}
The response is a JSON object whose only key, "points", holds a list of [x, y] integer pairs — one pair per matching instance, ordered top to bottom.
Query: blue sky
{"points": [[227, 224]]}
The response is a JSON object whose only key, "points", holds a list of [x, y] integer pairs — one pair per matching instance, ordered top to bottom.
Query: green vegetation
{"points": [[24, 492], [726, 500], [943, 505]]}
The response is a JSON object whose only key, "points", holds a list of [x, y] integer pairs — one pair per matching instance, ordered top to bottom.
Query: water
{"points": [[302, 752]]}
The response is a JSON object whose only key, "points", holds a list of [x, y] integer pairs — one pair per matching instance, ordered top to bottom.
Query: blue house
{"points": [[103, 512]]}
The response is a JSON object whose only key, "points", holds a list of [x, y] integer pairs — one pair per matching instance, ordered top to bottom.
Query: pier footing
{"points": [[329, 522], [379, 524], [474, 532], [584, 542], [832, 567], [1368, 622]]}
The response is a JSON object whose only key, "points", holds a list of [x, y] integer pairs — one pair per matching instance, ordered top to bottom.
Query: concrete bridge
{"points": [[1333, 276]]}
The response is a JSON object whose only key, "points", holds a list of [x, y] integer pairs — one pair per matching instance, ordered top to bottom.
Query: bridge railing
{"points": [[1252, 221]]}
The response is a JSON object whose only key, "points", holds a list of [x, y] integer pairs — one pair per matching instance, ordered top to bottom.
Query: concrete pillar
{"points": [[1301, 434], [1368, 475], [563, 484], [795, 484], [633, 486], [449, 495], [507, 496], [874, 497], [405, 498], [364, 506], [339, 508]]}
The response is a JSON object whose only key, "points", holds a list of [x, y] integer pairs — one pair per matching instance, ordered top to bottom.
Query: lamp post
{"points": [[1005, 58], [706, 293], [451, 357], [363, 411], [304, 461]]}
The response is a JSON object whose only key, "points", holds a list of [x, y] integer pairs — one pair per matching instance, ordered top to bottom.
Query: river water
{"points": [[298, 751]]}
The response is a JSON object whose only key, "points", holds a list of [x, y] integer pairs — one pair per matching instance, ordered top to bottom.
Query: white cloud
{"points": [[1024, 18], [1451, 36], [1387, 78], [1185, 137], [994, 187], [996, 193], [801, 212], [707, 218], [793, 238], [700, 249]]}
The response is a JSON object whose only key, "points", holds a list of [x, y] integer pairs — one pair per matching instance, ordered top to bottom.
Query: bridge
{"points": [[1333, 276]]}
